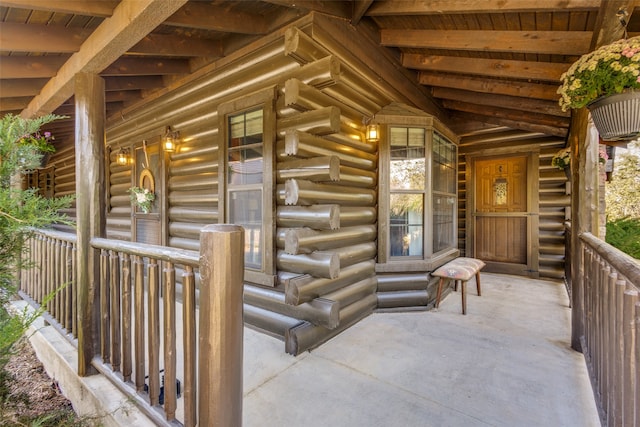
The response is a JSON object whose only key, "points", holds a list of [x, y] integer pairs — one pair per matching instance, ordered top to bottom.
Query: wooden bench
{"points": [[461, 270]]}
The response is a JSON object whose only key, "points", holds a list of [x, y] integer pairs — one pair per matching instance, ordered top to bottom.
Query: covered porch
{"points": [[507, 362]]}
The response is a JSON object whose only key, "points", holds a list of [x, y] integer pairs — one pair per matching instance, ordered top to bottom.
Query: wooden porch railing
{"points": [[141, 338], [611, 342]]}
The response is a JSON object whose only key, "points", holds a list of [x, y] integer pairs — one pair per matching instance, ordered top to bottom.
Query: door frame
{"points": [[532, 215]]}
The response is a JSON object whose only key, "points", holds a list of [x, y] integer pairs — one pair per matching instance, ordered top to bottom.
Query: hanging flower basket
{"points": [[617, 117]]}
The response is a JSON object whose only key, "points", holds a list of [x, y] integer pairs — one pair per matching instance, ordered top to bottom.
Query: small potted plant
{"points": [[607, 81], [41, 143], [562, 159], [142, 198]]}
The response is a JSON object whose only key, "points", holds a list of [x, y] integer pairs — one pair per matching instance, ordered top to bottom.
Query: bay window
{"points": [[418, 196]]}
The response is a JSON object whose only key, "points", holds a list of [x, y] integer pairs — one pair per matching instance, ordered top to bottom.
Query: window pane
{"points": [[407, 143], [245, 148], [443, 165], [245, 166], [407, 169], [407, 174], [444, 192], [245, 209], [443, 215], [406, 225]]}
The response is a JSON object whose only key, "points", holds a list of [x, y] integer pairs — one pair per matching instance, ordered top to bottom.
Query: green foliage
{"points": [[21, 148], [623, 192], [623, 203], [624, 234]]}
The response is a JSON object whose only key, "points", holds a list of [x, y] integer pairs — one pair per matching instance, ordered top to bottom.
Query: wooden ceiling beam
{"points": [[440, 7], [98, 8], [360, 8], [341, 9], [205, 16], [130, 22], [41, 38], [537, 42], [170, 45], [128, 66], [30, 67], [525, 70], [118, 83], [493, 86], [21, 87], [510, 102], [14, 103], [505, 113], [514, 124]]}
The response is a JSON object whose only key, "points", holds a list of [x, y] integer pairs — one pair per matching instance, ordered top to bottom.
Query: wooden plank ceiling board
{"points": [[493, 63]]}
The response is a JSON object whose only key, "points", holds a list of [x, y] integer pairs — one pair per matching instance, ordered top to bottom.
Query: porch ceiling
{"points": [[493, 65]]}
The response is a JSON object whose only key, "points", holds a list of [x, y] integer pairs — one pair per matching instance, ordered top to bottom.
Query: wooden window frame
{"points": [[264, 99]]}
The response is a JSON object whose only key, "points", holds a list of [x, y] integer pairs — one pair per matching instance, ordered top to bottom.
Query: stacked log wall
{"points": [[321, 163], [326, 199]]}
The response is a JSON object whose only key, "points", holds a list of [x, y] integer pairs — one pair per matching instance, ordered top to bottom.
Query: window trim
{"points": [[265, 99]]}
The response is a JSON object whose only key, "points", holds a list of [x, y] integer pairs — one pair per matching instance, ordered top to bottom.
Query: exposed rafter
{"points": [[438, 7], [130, 22], [537, 42], [524, 70]]}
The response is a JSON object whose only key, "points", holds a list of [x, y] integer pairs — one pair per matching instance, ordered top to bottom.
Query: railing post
{"points": [[221, 326]]}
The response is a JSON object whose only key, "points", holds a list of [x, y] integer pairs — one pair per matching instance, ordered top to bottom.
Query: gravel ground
{"points": [[44, 400]]}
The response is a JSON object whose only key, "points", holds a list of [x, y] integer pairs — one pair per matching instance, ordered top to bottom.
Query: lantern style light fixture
{"points": [[372, 133], [170, 140], [123, 157]]}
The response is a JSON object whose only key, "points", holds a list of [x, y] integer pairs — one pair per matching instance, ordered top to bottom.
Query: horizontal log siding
{"points": [[554, 206]]}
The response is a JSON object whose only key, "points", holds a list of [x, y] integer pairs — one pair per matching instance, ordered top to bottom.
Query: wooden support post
{"points": [[584, 199], [90, 208], [221, 325]]}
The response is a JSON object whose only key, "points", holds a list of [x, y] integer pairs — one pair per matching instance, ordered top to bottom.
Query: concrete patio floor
{"points": [[508, 362]]}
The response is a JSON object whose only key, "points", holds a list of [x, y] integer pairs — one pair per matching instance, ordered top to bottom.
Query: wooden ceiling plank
{"points": [[438, 7], [100, 8], [341, 9], [206, 16], [131, 21], [41, 38], [549, 42], [170, 45], [127, 66], [30, 67], [526, 70], [118, 83], [20, 87], [499, 87], [510, 102], [17, 103], [505, 113], [514, 124]]}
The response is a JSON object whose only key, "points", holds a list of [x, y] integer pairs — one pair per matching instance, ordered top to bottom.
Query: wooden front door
{"points": [[501, 214], [147, 226]]}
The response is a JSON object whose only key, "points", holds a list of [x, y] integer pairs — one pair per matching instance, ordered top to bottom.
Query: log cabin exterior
{"points": [[271, 131]]}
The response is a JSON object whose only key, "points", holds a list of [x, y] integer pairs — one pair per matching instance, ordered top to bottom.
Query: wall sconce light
{"points": [[372, 133], [170, 142], [123, 157]]}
